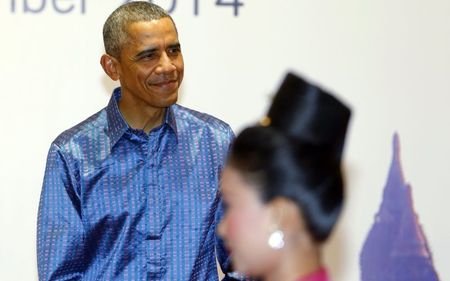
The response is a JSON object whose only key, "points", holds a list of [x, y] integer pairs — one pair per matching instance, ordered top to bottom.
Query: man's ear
{"points": [[110, 66]]}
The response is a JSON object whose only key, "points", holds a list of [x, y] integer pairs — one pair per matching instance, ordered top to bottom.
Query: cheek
{"points": [[179, 62], [180, 68], [145, 72], [239, 224], [248, 236]]}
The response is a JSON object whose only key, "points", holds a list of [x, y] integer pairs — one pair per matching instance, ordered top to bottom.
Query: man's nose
{"points": [[165, 64]]}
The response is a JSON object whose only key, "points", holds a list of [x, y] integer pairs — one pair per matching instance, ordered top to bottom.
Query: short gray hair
{"points": [[115, 32]]}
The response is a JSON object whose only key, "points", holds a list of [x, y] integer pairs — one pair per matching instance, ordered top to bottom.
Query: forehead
{"points": [[161, 28], [234, 184]]}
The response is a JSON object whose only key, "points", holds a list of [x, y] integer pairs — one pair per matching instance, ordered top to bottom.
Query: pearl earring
{"points": [[276, 240]]}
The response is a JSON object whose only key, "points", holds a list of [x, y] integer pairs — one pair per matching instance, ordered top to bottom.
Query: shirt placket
{"points": [[155, 210]]}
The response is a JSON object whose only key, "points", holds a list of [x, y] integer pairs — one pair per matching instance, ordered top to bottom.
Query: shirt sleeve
{"points": [[60, 237]]}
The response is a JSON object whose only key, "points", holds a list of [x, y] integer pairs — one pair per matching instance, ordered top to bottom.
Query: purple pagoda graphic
{"points": [[396, 248]]}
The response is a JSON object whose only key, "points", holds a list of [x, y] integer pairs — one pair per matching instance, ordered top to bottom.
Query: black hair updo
{"points": [[296, 152]]}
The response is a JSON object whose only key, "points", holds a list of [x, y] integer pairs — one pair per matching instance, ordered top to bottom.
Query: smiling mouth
{"points": [[164, 82], [169, 84]]}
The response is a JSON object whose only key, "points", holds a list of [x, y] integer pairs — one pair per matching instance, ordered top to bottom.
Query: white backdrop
{"points": [[388, 59]]}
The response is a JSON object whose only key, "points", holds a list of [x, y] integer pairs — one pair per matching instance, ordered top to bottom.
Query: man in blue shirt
{"points": [[131, 193]]}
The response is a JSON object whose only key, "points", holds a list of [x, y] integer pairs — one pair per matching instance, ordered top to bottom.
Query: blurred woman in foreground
{"points": [[282, 187]]}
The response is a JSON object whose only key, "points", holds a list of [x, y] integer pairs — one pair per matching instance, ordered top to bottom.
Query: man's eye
{"points": [[174, 50], [146, 56], [149, 56]]}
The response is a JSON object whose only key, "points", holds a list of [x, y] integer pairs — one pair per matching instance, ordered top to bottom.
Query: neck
{"points": [[141, 117], [296, 264]]}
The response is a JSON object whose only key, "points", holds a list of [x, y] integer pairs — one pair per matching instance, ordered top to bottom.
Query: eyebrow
{"points": [[175, 45], [150, 51]]}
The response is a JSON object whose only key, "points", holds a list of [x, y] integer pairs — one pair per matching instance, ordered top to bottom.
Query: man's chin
{"points": [[171, 100]]}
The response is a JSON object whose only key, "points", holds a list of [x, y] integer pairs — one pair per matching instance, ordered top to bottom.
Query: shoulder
{"points": [[187, 118], [86, 130]]}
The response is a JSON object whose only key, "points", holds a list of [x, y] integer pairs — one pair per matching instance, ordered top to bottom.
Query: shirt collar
{"points": [[170, 120], [117, 125]]}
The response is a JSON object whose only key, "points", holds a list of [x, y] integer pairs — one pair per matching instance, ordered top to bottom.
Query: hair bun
{"points": [[307, 113]]}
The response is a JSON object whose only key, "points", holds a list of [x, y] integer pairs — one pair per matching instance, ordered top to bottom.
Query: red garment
{"points": [[320, 275]]}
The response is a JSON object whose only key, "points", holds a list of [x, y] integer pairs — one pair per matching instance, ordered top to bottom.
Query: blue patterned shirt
{"points": [[120, 204]]}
